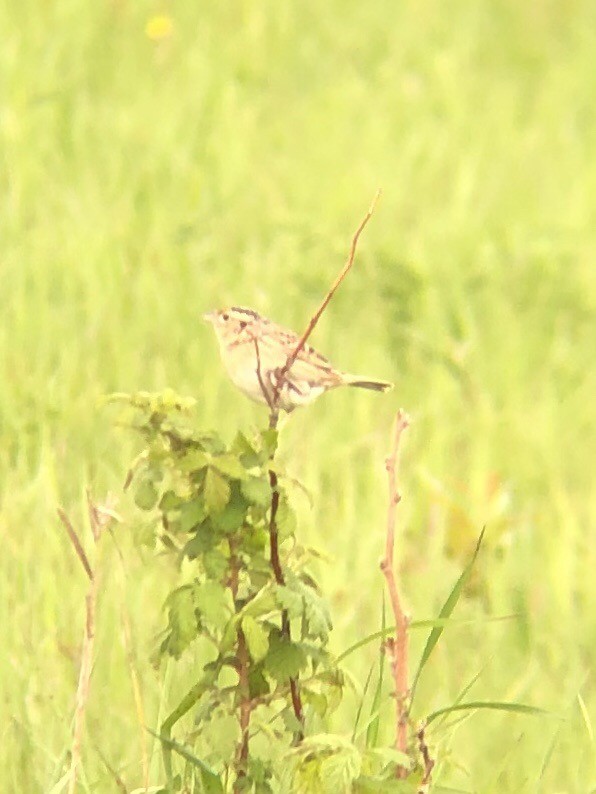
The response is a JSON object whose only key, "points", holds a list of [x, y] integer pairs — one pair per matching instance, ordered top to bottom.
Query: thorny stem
{"points": [[397, 647], [426, 759]]}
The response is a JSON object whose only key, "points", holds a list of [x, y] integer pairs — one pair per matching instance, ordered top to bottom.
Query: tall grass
{"points": [[143, 182]]}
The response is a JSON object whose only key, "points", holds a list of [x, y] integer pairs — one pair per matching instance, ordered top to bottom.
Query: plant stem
{"points": [[280, 579], [397, 646], [243, 668], [245, 708]]}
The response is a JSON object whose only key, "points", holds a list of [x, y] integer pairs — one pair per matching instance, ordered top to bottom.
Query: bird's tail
{"points": [[364, 383]]}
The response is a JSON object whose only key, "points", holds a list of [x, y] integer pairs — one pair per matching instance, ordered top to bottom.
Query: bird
{"points": [[254, 351]]}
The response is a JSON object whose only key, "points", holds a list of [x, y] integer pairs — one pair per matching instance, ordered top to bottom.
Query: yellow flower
{"points": [[159, 27]]}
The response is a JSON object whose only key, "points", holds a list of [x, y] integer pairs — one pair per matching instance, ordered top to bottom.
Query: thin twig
{"points": [[282, 373], [264, 390], [74, 539], [397, 647], [426, 760]]}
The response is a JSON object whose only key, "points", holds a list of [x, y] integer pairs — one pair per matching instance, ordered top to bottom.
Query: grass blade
{"points": [[445, 612], [430, 623], [361, 704], [495, 705], [372, 734], [210, 780]]}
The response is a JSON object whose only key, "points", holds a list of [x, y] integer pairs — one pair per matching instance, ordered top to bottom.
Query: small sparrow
{"points": [[254, 350]]}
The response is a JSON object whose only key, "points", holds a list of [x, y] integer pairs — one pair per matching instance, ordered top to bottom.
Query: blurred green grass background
{"points": [[144, 181]]}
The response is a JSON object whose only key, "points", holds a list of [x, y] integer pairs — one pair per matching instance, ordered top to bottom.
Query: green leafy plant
{"points": [[251, 595], [267, 682]]}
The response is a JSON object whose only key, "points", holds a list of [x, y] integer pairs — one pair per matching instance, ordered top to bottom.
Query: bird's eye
{"points": [[225, 317], [242, 324]]}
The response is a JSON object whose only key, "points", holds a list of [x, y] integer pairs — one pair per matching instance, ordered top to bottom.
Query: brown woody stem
{"points": [[281, 375], [397, 647]]}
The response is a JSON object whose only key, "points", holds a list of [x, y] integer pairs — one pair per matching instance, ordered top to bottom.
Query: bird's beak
{"points": [[209, 317]]}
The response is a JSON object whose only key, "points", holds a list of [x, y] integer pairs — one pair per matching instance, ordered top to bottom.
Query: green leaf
{"points": [[269, 439], [247, 452], [193, 460], [229, 465], [217, 491], [257, 491], [146, 495], [170, 501], [191, 514], [233, 516], [201, 542], [215, 564], [290, 600], [212, 601], [445, 612], [182, 621], [256, 638], [285, 659], [257, 683], [316, 700], [519, 708], [389, 755], [367, 784]]}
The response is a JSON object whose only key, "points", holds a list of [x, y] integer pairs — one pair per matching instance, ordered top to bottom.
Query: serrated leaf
{"points": [[269, 439], [248, 454], [193, 460], [229, 465], [216, 490], [257, 491], [146, 495], [170, 501], [191, 514], [231, 519], [215, 564], [211, 600], [290, 600], [316, 611], [182, 621], [256, 638], [284, 659], [257, 683], [316, 700], [389, 755], [369, 784]]}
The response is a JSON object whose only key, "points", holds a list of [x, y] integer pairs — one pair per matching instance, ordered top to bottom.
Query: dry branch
{"points": [[282, 373], [272, 400], [99, 517], [397, 647]]}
